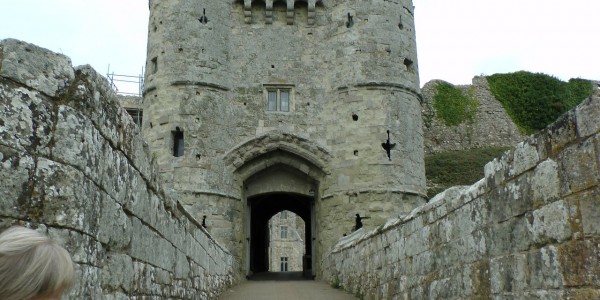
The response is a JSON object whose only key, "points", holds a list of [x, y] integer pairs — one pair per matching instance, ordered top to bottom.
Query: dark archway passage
{"points": [[262, 208]]}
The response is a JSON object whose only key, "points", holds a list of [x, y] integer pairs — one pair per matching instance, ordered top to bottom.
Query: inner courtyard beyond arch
{"points": [[278, 187], [262, 209]]}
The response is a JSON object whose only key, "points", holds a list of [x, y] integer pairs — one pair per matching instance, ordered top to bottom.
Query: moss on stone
{"points": [[534, 100], [452, 106]]}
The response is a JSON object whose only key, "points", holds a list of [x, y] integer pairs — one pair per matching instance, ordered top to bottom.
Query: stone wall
{"points": [[491, 126], [73, 165], [530, 229]]}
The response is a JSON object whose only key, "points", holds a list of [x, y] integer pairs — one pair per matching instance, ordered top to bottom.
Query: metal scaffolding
{"points": [[125, 84], [132, 88]]}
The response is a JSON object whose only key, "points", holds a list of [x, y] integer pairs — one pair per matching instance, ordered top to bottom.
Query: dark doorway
{"points": [[262, 208]]}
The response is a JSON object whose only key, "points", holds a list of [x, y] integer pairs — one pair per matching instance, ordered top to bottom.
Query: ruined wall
{"points": [[492, 126], [73, 164], [529, 229]]}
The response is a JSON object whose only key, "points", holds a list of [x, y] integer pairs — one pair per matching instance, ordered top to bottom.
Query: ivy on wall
{"points": [[534, 100], [452, 106]]}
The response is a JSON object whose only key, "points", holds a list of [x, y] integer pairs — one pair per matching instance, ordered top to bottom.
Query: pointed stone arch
{"points": [[276, 147], [277, 171]]}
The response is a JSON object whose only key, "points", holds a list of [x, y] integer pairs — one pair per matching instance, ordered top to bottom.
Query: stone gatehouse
{"points": [[252, 108]]}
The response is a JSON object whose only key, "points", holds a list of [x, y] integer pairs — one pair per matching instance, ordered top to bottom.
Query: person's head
{"points": [[32, 266]]}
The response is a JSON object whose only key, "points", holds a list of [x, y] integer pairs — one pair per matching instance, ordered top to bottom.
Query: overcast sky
{"points": [[456, 40]]}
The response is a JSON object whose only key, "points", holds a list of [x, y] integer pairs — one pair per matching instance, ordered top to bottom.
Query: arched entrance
{"points": [[275, 172], [274, 189], [262, 207]]}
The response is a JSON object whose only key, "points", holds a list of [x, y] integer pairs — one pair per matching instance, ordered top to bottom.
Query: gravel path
{"points": [[284, 286]]}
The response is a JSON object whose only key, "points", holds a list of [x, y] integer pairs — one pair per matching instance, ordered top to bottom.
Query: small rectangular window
{"points": [[154, 67], [279, 98], [285, 100], [272, 101], [177, 142], [283, 215], [284, 232], [284, 264]]}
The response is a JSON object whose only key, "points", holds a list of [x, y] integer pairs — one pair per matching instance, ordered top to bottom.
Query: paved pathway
{"points": [[284, 286]]}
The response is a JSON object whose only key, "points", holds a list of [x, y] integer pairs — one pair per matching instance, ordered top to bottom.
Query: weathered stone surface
{"points": [[35, 67], [25, 111], [587, 119], [525, 157], [73, 165], [578, 167], [545, 183], [15, 184], [59, 202], [589, 208], [550, 223], [114, 226], [528, 231], [580, 262], [544, 268], [118, 273]]}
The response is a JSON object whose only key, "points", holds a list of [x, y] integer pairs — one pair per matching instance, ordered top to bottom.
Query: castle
{"points": [[252, 108], [255, 108]]}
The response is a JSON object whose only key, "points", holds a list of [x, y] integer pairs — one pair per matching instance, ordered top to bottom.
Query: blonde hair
{"points": [[31, 264]]}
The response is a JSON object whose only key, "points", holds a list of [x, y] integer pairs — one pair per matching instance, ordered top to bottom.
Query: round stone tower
{"points": [[253, 107]]}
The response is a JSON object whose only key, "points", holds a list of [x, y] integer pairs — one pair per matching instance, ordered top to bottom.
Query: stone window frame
{"points": [[268, 89], [283, 215], [283, 232], [284, 262]]}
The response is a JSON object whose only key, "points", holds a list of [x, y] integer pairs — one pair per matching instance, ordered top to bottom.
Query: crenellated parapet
{"points": [[291, 6]]}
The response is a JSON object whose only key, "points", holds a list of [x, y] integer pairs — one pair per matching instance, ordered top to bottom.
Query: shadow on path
{"points": [[277, 276]]}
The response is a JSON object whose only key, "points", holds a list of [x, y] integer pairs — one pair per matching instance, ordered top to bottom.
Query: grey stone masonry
{"points": [[338, 75], [491, 125], [73, 165], [529, 230]]}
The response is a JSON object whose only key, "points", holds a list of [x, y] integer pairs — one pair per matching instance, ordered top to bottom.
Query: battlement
{"points": [[290, 7]]}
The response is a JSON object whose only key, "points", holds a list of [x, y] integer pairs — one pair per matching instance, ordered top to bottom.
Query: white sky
{"points": [[456, 40]]}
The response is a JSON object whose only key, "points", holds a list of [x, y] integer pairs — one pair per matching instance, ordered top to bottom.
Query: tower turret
{"points": [[373, 93]]}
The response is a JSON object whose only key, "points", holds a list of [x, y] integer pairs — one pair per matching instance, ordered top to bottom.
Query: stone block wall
{"points": [[73, 165], [530, 229]]}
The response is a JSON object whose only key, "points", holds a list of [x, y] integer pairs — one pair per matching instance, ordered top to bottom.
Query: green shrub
{"points": [[577, 90], [534, 100], [452, 106], [463, 167], [336, 283]]}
